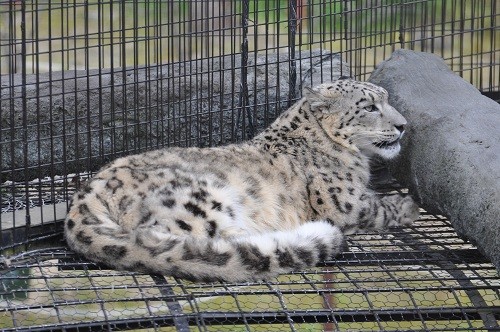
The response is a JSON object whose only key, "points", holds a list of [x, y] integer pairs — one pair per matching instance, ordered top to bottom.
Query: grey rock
{"points": [[78, 120], [451, 152]]}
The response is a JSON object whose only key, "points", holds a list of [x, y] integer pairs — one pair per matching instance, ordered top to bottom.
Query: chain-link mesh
{"points": [[418, 278]]}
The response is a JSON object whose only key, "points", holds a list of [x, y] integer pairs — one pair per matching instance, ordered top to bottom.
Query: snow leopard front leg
{"points": [[355, 211], [379, 212]]}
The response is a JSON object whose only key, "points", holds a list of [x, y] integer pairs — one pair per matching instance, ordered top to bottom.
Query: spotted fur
{"points": [[277, 203]]}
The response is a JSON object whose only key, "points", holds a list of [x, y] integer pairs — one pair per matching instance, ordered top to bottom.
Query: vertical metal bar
{"points": [[235, 7], [444, 10], [402, 15], [335, 19], [34, 22], [277, 22], [325, 23], [423, 24], [410, 25], [433, 25], [345, 28], [387, 28], [368, 29], [213, 33], [452, 33], [2, 34], [200, 38], [461, 38], [189, 39], [482, 41], [183, 49], [473, 50], [253, 51], [170, 56], [65, 59], [100, 64], [292, 64], [151, 65], [492, 84], [10, 100], [112, 102], [148, 105], [243, 107], [266, 114], [137, 119], [160, 128], [88, 130], [52, 135], [24, 136], [219, 137], [76, 145], [125, 146], [276, 291], [147, 301], [193, 305], [181, 323]]}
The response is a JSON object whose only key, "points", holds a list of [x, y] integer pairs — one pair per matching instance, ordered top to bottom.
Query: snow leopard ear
{"points": [[318, 101]]}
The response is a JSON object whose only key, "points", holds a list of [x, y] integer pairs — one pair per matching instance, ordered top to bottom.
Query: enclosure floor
{"points": [[419, 278]]}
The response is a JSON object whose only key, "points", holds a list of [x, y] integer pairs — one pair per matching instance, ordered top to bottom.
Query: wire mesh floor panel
{"points": [[419, 278]]}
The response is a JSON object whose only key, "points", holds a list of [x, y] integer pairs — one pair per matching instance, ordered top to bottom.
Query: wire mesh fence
{"points": [[83, 82], [420, 278]]}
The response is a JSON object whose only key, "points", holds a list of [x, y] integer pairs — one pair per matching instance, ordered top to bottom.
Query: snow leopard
{"points": [[280, 202]]}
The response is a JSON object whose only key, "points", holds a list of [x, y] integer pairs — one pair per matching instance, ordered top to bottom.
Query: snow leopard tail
{"points": [[247, 258]]}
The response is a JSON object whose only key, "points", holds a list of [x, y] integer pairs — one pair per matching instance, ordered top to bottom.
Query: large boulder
{"points": [[62, 122], [451, 152]]}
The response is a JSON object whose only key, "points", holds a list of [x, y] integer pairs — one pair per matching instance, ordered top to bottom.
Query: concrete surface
{"points": [[451, 152]]}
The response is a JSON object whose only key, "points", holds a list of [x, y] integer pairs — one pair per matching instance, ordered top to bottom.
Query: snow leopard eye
{"points": [[371, 108]]}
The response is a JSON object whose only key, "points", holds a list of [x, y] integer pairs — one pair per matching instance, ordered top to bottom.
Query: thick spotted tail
{"points": [[256, 257]]}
